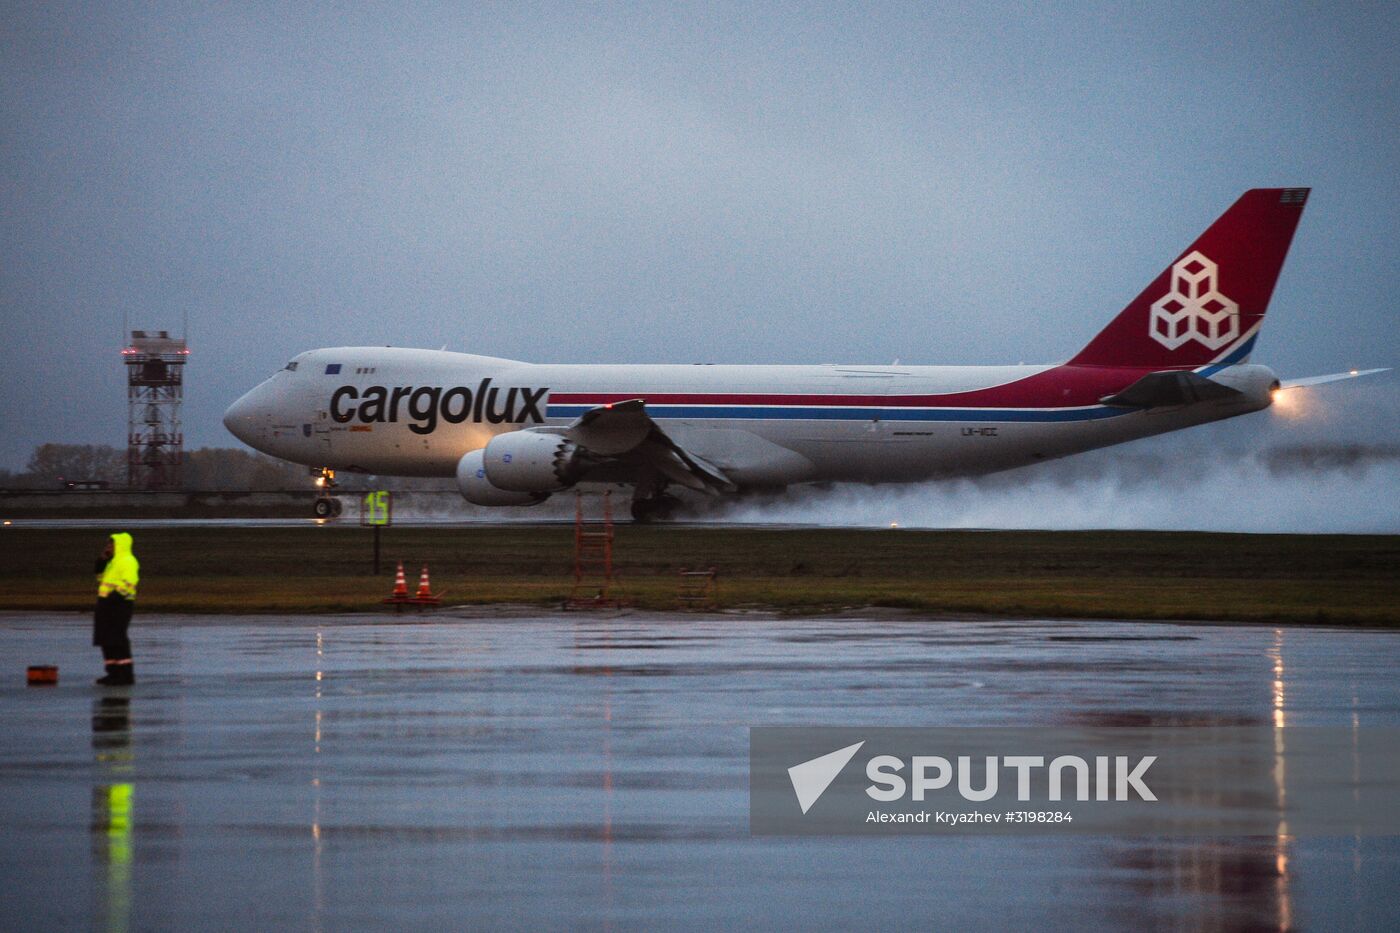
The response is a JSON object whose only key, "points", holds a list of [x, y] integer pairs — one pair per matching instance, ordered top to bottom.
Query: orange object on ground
{"points": [[593, 569], [400, 584], [425, 590], [399, 598], [42, 675]]}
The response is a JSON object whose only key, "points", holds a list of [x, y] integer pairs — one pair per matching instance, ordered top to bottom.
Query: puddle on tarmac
{"points": [[303, 771]]}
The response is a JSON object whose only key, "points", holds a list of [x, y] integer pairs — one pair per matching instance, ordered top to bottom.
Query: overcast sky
{"points": [[745, 183]]}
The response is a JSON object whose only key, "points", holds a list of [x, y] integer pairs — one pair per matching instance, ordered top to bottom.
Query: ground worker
{"points": [[116, 597]]}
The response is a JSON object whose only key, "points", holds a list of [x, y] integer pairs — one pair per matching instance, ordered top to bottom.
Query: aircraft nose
{"points": [[244, 419]]}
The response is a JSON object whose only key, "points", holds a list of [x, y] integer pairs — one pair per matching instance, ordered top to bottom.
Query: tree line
{"points": [[54, 466], [232, 469]]}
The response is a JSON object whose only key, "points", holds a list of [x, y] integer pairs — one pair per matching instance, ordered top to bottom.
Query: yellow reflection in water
{"points": [[113, 814], [115, 823]]}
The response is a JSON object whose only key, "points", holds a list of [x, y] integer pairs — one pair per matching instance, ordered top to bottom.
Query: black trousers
{"points": [[109, 625]]}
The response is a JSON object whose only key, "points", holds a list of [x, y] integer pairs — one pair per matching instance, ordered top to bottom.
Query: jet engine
{"points": [[1257, 383], [529, 461], [520, 468], [477, 489]]}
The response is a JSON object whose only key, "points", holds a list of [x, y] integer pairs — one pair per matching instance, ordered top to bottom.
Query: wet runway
{"points": [[338, 772]]}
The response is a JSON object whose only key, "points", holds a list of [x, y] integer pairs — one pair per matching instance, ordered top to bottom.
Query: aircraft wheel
{"points": [[323, 508], [658, 508]]}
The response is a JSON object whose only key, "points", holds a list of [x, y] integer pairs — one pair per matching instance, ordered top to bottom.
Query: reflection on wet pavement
{"points": [[330, 772], [112, 808]]}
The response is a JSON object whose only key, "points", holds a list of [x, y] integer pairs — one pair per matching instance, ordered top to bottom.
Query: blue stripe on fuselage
{"points": [[1238, 354], [788, 413]]}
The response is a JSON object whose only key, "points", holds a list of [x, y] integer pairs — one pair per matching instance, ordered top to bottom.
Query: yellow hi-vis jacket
{"points": [[122, 571]]}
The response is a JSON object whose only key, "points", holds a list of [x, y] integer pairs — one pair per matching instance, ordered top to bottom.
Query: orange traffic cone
{"points": [[425, 590], [400, 594]]}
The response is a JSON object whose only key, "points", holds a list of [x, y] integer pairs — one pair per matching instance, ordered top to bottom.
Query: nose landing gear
{"points": [[326, 505]]}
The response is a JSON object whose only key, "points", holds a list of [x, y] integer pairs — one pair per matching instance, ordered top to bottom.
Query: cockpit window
{"points": [[292, 366]]}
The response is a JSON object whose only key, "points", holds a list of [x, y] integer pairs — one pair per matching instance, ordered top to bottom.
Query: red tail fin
{"points": [[1207, 305]]}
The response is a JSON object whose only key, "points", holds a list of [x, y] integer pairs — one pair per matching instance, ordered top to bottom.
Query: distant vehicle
{"points": [[513, 433], [86, 484]]}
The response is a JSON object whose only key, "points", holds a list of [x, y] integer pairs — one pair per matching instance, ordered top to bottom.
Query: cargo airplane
{"points": [[513, 433]]}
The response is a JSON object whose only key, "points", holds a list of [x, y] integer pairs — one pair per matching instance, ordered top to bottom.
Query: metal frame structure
{"points": [[155, 364], [593, 570], [697, 590]]}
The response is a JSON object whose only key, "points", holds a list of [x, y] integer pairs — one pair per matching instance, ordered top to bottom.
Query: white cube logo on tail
{"points": [[1194, 309]]}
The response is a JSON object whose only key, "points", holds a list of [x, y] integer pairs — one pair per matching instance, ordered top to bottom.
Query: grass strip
{"points": [[1326, 579]]}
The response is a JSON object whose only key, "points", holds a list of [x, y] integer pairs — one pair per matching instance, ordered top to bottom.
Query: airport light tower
{"points": [[155, 364]]}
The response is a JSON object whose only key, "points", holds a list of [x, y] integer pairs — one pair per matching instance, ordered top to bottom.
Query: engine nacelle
{"points": [[1256, 382], [528, 461], [478, 490]]}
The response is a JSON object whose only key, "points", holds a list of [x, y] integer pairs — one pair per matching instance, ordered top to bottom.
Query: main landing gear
{"points": [[650, 501], [654, 508]]}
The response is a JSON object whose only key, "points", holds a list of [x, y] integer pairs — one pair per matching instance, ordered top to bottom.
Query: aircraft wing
{"points": [[1331, 377], [625, 429]]}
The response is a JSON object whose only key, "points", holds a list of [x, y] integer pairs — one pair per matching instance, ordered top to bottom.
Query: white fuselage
{"points": [[409, 412]]}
